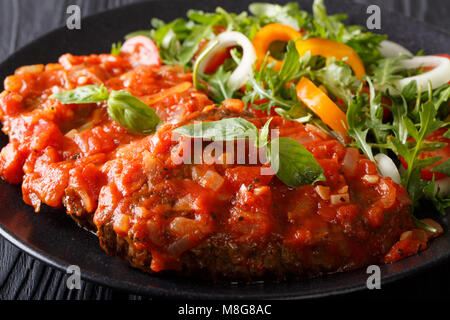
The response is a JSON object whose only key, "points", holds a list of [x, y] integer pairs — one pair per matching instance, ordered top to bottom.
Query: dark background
{"points": [[22, 277]]}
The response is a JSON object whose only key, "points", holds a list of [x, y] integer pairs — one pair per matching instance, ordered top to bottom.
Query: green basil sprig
{"points": [[86, 94], [124, 108], [131, 113], [222, 130], [292, 163], [296, 165]]}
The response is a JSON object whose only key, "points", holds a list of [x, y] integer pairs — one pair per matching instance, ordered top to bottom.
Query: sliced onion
{"points": [[228, 39], [390, 49], [438, 76], [387, 167], [443, 185]]}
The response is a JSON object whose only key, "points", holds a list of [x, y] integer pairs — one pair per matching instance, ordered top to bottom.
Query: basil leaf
{"points": [[85, 94], [131, 113], [222, 130], [264, 134], [293, 163], [444, 168]]}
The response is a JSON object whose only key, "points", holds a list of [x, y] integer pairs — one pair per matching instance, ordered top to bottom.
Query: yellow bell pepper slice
{"points": [[268, 34], [329, 48], [316, 100]]}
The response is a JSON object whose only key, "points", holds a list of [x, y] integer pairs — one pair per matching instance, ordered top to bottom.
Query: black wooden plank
{"points": [[10, 255]]}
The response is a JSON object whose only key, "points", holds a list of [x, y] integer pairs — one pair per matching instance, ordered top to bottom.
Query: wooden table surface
{"points": [[23, 277]]}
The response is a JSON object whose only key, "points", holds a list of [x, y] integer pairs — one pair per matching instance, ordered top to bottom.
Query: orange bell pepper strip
{"points": [[268, 34], [329, 48], [316, 100]]}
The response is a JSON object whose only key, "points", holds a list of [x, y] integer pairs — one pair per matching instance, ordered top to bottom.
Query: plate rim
{"points": [[158, 292]]}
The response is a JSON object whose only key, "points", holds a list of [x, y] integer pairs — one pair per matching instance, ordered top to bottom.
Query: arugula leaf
{"points": [[275, 13], [201, 17], [331, 26], [180, 27], [146, 33], [179, 40], [192, 42], [366, 44], [115, 48], [291, 65], [385, 71], [338, 78], [217, 85], [268, 88], [409, 92], [85, 94], [266, 97], [440, 98], [297, 112], [131, 113], [356, 114], [412, 118], [400, 122], [428, 124], [293, 163], [432, 193]]}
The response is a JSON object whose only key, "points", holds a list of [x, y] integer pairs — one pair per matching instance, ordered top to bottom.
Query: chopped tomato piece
{"points": [[141, 50]]}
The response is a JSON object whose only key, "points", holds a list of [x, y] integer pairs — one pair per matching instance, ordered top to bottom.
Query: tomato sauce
{"points": [[76, 157]]}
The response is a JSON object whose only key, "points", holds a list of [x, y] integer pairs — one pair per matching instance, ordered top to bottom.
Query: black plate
{"points": [[54, 238]]}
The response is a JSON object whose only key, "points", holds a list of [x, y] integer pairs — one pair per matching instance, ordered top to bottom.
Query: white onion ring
{"points": [[228, 39], [390, 49], [438, 76], [387, 167], [444, 186]]}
